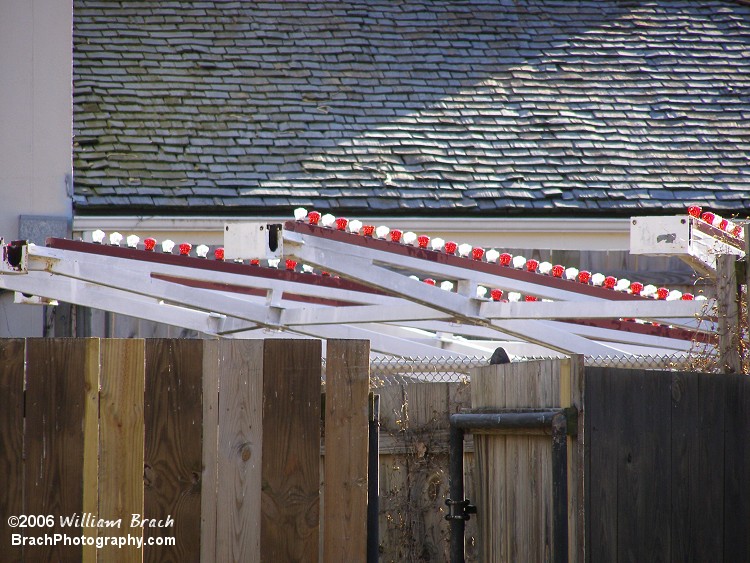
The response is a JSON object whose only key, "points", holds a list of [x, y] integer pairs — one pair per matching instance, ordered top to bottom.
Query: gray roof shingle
{"points": [[454, 106]]}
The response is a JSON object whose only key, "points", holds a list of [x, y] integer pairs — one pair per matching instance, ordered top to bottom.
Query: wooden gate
{"points": [[215, 444]]}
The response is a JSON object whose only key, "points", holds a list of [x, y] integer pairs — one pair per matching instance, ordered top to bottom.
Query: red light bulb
{"points": [[694, 211], [313, 217], [708, 217], [341, 223], [723, 224], [368, 230], [737, 231], [396, 235], [423, 241], [149, 243], [451, 247], [185, 248], [477, 253], [219, 254], [504, 259], [255, 262], [291, 264], [532, 265], [558, 271], [584, 276], [429, 281], [610, 282], [636, 288], [662, 293], [496, 294], [688, 296], [530, 298]]}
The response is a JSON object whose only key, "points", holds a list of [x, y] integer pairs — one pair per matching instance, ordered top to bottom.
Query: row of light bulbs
{"points": [[492, 256]]}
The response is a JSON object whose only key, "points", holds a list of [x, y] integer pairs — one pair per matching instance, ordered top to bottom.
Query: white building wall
{"points": [[36, 122]]}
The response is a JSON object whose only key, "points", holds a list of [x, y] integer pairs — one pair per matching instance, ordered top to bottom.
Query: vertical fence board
{"points": [[572, 393], [602, 406], [173, 415], [346, 438], [11, 442], [121, 442], [91, 443], [240, 445], [291, 450], [737, 470], [697, 473], [209, 479], [53, 481], [644, 483]]}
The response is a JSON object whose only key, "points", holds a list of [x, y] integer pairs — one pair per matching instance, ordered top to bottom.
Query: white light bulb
{"points": [[300, 213], [328, 220], [354, 226], [382, 231], [98, 236], [409, 237], [115, 239], [133, 240], [437, 243], [167, 246], [464, 249], [202, 250], [492, 255], [519, 261], [273, 262], [306, 268], [545, 268], [571, 273], [415, 278], [597, 279], [623, 284], [447, 286], [648, 290], [481, 291], [674, 295], [514, 296]]}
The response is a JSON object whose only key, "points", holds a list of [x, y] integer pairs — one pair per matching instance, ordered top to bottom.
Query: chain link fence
{"points": [[397, 371]]}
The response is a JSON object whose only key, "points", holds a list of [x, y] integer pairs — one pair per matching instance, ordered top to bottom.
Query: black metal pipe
{"points": [[558, 422], [373, 482], [560, 487], [456, 492]]}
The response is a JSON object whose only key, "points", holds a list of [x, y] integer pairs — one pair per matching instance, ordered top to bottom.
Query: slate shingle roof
{"points": [[414, 106]]}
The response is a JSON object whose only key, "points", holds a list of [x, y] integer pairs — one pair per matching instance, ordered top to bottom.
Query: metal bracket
{"points": [[15, 258], [459, 509]]}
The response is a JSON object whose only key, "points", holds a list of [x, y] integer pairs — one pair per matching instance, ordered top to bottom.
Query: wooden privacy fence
{"points": [[215, 445], [659, 469]]}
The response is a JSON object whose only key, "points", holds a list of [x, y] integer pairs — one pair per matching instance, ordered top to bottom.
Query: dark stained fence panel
{"points": [[173, 415], [11, 443], [668, 466], [737, 470]]}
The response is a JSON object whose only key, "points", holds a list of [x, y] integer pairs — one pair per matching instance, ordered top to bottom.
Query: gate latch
{"points": [[459, 509]]}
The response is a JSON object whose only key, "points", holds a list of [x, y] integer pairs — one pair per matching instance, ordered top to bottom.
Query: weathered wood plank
{"points": [[572, 394], [173, 416], [346, 436], [11, 442], [121, 442], [91, 443], [240, 443], [697, 444], [291, 450], [737, 470], [209, 477], [53, 480], [601, 484], [644, 486]]}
